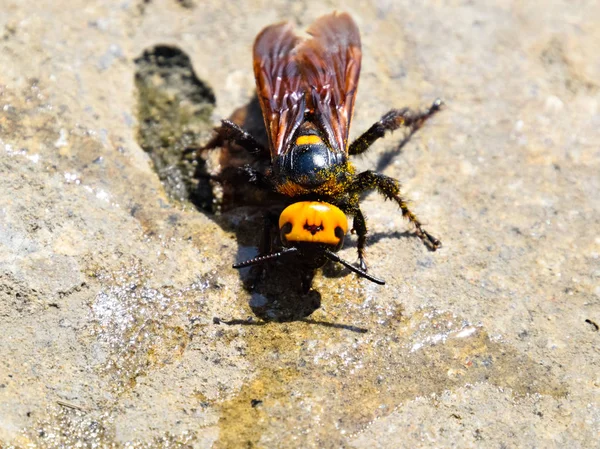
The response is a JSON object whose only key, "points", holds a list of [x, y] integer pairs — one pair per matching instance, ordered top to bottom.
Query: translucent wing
{"points": [[330, 66], [318, 75], [279, 84]]}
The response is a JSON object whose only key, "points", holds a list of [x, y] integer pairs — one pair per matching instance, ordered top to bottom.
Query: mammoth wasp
{"points": [[306, 89]]}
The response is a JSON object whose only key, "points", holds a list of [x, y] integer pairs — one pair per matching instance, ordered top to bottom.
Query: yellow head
{"points": [[313, 221]]}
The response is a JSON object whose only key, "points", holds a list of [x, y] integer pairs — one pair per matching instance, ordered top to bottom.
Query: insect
{"points": [[306, 89]]}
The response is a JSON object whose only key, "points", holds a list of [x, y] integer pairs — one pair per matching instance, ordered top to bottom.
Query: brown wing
{"points": [[330, 65], [319, 74], [279, 84]]}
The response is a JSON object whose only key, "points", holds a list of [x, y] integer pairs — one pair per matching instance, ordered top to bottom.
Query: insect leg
{"points": [[391, 122], [229, 131], [245, 174], [255, 177], [390, 188], [269, 225], [359, 225], [264, 247], [306, 278]]}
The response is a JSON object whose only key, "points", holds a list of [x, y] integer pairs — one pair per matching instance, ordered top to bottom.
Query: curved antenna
{"points": [[266, 258], [335, 258]]}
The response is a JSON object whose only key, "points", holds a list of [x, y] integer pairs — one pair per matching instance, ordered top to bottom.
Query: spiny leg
{"points": [[391, 122], [229, 131], [245, 174], [390, 188], [359, 225]]}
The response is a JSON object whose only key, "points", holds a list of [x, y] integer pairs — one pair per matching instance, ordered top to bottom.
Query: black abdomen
{"points": [[310, 161]]}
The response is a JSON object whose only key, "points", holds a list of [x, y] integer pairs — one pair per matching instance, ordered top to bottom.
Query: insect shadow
{"points": [[174, 113], [275, 287], [251, 322]]}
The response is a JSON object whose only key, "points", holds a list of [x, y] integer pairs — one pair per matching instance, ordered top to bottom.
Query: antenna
{"points": [[266, 258], [335, 258]]}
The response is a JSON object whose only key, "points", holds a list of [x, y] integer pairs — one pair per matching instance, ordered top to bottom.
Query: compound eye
{"points": [[283, 231]]}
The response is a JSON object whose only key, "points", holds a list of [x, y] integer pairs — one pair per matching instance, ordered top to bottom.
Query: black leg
{"points": [[390, 122], [229, 131], [245, 174], [256, 178], [390, 188], [270, 221], [359, 225], [265, 246], [306, 278]]}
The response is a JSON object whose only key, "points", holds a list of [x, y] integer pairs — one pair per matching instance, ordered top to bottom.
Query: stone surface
{"points": [[110, 278]]}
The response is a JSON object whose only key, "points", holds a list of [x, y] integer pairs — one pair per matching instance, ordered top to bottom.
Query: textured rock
{"points": [[110, 278]]}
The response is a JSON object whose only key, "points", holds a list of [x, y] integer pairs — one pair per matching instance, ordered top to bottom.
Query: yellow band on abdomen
{"points": [[308, 140]]}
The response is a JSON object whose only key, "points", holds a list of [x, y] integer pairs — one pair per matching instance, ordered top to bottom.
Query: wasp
{"points": [[306, 89]]}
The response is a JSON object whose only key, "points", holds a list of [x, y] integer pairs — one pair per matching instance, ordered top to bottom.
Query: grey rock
{"points": [[110, 279]]}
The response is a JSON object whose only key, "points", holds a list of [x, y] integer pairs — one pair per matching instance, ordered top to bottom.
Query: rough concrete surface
{"points": [[110, 277]]}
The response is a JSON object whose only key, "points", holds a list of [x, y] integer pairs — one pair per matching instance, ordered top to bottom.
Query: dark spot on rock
{"points": [[188, 4], [174, 110], [134, 209], [425, 262]]}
